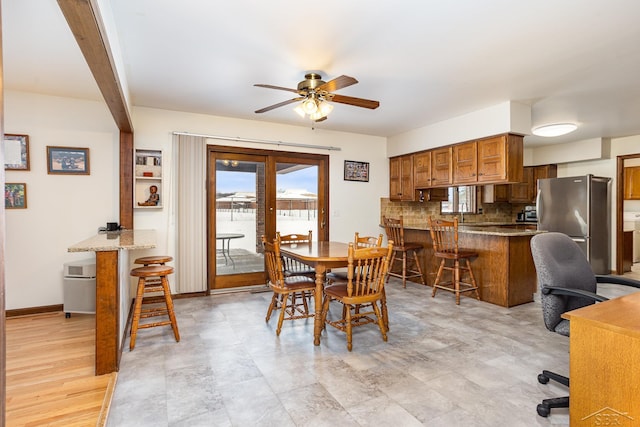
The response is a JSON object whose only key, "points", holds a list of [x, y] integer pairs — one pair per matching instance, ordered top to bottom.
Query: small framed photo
{"points": [[16, 152], [67, 161], [356, 171], [15, 195]]}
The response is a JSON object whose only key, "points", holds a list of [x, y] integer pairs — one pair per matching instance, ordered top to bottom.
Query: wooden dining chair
{"points": [[444, 235], [359, 242], [405, 252], [294, 267], [365, 285], [290, 293]]}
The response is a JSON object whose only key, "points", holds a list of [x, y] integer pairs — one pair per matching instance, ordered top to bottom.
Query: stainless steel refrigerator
{"points": [[579, 206]]}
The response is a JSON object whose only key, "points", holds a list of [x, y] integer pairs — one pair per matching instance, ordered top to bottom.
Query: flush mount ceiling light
{"points": [[554, 129]]}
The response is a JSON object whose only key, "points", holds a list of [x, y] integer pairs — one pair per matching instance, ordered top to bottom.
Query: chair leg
{"points": [[415, 259], [404, 269], [456, 273], [438, 276], [473, 279], [169, 303], [272, 306], [283, 309], [136, 313], [385, 314], [349, 329], [383, 329], [544, 408]]}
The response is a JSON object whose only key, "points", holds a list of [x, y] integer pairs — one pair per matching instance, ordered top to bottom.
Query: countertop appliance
{"points": [[580, 207], [79, 287]]}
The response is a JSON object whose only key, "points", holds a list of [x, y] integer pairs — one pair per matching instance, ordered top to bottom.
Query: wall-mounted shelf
{"points": [[147, 174]]}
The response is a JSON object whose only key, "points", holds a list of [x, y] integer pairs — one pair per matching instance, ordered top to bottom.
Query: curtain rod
{"points": [[260, 141]]}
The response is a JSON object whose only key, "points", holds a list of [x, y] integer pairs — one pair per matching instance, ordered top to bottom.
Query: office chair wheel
{"points": [[543, 379], [543, 410]]}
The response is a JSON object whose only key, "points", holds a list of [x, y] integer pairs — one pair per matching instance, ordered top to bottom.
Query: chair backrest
{"points": [[394, 229], [444, 235], [294, 238], [367, 241], [273, 262], [560, 262], [367, 270]]}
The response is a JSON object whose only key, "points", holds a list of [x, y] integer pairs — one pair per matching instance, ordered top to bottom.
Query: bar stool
{"points": [[444, 235], [408, 250], [153, 259], [144, 286]]}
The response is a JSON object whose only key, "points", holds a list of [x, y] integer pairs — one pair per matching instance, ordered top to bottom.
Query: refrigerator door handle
{"points": [[538, 206], [579, 239]]}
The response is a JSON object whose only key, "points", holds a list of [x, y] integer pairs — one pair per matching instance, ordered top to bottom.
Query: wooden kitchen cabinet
{"points": [[497, 159], [422, 170], [441, 170], [542, 172], [401, 178], [632, 183], [523, 192]]}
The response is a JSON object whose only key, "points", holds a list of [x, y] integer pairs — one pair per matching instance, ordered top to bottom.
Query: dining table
{"points": [[322, 256]]}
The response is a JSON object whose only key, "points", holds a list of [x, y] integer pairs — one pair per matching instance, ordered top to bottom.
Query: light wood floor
{"points": [[50, 372]]}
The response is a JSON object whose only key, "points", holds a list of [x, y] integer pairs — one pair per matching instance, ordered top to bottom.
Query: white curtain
{"points": [[189, 164]]}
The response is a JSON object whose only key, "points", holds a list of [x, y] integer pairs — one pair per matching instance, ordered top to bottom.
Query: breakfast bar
{"points": [[504, 267], [112, 290]]}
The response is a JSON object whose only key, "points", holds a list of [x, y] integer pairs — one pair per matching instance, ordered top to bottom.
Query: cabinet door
{"points": [[492, 159], [465, 165], [422, 170], [441, 175], [406, 178], [632, 183], [395, 186], [523, 192]]}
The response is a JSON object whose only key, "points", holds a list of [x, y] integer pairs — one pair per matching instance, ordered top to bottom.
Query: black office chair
{"points": [[566, 282]]}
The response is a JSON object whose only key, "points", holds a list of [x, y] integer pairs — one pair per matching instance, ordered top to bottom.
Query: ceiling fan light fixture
{"points": [[309, 105], [300, 110], [323, 111], [554, 129]]}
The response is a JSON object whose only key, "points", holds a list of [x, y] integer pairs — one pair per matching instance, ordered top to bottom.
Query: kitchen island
{"points": [[504, 267], [113, 296]]}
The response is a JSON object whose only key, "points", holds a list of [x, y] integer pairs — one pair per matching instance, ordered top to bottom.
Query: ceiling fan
{"points": [[315, 95]]}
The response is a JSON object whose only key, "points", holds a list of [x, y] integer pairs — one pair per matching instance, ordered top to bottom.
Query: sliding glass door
{"points": [[252, 193]]}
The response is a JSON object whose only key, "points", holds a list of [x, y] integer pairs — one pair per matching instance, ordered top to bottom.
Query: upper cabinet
{"points": [[496, 159], [422, 169], [441, 171], [542, 172], [401, 178], [632, 183], [523, 192]]}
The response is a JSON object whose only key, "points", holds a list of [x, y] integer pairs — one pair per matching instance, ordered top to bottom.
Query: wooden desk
{"points": [[320, 256], [112, 278], [605, 363]]}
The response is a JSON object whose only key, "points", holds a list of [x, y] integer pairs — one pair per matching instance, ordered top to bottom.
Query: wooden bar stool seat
{"points": [[153, 259], [153, 272]]}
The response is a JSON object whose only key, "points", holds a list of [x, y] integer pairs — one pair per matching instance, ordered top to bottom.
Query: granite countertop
{"points": [[487, 228], [114, 240]]}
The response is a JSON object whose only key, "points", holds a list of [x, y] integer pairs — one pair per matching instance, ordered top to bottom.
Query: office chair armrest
{"points": [[617, 281], [553, 290]]}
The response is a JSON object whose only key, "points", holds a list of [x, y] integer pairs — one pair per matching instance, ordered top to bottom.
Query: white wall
{"points": [[61, 210], [64, 210]]}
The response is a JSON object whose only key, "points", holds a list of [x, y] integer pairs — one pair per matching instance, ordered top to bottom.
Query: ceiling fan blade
{"points": [[337, 83], [277, 87], [350, 100], [280, 104], [321, 119]]}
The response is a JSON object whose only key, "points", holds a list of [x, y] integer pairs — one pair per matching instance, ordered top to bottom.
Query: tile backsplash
{"points": [[417, 213]]}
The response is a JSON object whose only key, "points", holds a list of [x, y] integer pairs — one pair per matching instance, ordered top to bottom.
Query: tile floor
{"points": [[444, 365]]}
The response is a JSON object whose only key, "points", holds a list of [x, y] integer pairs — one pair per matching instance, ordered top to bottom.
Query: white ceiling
{"points": [[424, 60]]}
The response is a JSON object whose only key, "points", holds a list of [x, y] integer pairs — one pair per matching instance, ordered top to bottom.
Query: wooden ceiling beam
{"points": [[85, 22]]}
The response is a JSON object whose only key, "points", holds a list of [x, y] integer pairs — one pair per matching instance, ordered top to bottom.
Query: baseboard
{"points": [[33, 310]]}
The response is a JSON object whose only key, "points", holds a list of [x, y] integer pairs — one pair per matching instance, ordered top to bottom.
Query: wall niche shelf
{"points": [[147, 174]]}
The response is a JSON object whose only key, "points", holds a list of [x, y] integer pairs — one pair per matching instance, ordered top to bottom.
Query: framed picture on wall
{"points": [[16, 152], [67, 161], [356, 171], [15, 195]]}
